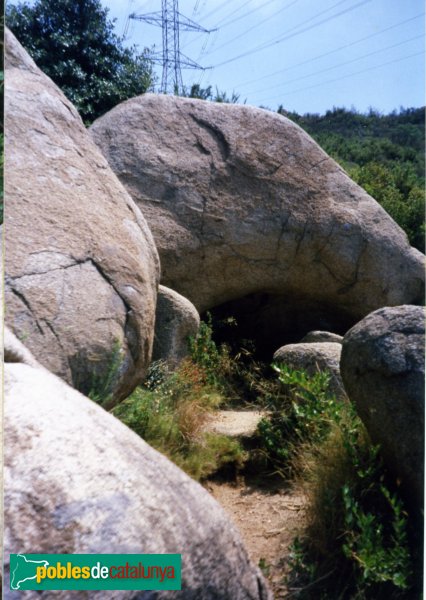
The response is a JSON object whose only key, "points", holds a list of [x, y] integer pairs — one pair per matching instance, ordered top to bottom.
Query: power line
{"points": [[195, 9], [215, 10], [194, 12], [250, 12], [310, 19], [171, 21], [220, 22], [126, 25], [254, 26], [287, 37], [204, 46], [203, 49], [304, 62], [340, 64], [345, 76]]}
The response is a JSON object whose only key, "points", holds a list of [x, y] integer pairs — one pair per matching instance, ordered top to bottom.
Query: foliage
{"points": [[73, 42], [207, 93], [382, 153], [398, 190], [204, 351], [231, 366], [101, 386], [170, 412], [302, 413], [365, 540], [356, 543], [264, 566]]}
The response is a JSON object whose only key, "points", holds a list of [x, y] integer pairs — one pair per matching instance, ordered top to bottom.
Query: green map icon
{"points": [[23, 569]]}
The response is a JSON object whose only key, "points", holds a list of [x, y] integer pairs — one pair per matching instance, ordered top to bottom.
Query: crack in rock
{"points": [[216, 134]]}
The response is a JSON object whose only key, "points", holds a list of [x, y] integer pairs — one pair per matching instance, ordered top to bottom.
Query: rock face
{"points": [[242, 203], [81, 269], [176, 320], [321, 336], [15, 352], [313, 357], [383, 369], [78, 481]]}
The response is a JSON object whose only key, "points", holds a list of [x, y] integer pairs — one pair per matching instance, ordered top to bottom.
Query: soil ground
{"points": [[268, 515]]}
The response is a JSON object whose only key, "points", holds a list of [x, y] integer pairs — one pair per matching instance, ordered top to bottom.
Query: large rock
{"points": [[242, 203], [81, 268], [176, 321], [321, 336], [314, 357], [383, 369], [78, 481]]}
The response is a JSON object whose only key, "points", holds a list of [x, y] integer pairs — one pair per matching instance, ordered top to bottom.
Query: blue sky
{"points": [[307, 55]]}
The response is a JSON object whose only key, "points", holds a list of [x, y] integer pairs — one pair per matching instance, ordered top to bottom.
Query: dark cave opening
{"points": [[263, 322]]}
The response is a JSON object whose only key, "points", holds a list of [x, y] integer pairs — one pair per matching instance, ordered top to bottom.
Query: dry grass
{"points": [[171, 418], [322, 470]]}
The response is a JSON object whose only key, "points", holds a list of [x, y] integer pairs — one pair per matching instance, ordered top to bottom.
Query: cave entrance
{"points": [[263, 322]]}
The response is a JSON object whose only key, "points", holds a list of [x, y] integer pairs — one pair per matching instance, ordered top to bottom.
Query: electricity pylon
{"points": [[172, 59]]}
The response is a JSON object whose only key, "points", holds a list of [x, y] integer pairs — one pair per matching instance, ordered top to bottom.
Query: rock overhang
{"points": [[243, 204]]}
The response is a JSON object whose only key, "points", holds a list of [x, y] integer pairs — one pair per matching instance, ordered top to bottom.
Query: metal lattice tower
{"points": [[172, 59]]}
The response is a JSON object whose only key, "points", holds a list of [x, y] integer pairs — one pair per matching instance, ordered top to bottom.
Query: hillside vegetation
{"points": [[384, 154]]}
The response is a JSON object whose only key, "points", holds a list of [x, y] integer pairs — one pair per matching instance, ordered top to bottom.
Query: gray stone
{"points": [[243, 204], [81, 269], [176, 321], [321, 336], [314, 357], [383, 370], [78, 481]]}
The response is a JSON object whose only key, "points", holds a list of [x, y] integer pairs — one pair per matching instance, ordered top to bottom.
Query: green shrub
{"points": [[382, 153], [205, 353], [231, 366], [102, 375], [170, 413], [302, 413], [355, 544], [380, 556]]}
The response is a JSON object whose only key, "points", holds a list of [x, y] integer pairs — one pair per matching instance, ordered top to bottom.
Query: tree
{"points": [[74, 43], [207, 93], [382, 153]]}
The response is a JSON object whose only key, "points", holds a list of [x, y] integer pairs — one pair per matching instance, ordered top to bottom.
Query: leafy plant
{"points": [[74, 43], [207, 93], [382, 153], [205, 353], [230, 366], [102, 384], [170, 412], [303, 413], [355, 544], [380, 556], [264, 566]]}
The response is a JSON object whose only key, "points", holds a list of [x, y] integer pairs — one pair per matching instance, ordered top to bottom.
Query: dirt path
{"points": [[268, 516]]}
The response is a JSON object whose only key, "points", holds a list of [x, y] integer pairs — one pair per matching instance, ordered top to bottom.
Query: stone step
{"points": [[235, 423]]}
